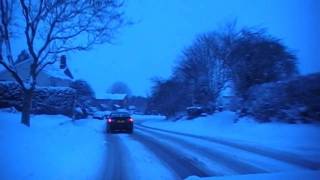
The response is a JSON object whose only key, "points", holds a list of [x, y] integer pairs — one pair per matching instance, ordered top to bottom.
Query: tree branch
{"points": [[44, 66], [14, 74]]}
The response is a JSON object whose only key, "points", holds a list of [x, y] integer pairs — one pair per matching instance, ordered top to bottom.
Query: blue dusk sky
{"points": [[163, 28]]}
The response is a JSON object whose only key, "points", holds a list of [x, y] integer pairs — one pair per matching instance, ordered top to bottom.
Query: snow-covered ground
{"points": [[293, 137], [300, 139], [53, 148], [57, 148], [140, 163], [298, 175]]}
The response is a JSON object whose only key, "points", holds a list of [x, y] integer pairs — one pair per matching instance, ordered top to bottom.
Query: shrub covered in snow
{"points": [[10, 94], [84, 98], [46, 100], [53, 100], [291, 100]]}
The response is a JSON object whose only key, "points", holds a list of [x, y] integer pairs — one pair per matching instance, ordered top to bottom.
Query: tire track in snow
{"points": [[263, 151], [141, 157], [226, 160], [182, 166], [116, 167]]}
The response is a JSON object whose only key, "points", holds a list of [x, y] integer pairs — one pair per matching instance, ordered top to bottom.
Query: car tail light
{"points": [[109, 120], [130, 120]]}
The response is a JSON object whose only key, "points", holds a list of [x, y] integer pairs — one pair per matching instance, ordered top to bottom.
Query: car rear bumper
{"points": [[120, 126]]}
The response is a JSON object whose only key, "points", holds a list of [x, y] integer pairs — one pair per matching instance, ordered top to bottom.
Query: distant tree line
{"points": [[244, 57]]}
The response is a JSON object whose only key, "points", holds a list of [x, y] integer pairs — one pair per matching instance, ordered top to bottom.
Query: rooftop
{"points": [[52, 70], [110, 96]]}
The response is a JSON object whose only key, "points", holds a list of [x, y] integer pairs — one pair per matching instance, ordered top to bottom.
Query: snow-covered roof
{"points": [[21, 63], [52, 70], [55, 71], [109, 96], [194, 107]]}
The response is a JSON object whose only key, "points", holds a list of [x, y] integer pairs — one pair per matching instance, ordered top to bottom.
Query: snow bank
{"points": [[143, 118], [294, 137], [53, 148], [298, 175], [310, 175]]}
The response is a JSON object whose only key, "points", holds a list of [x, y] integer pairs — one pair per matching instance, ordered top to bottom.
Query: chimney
{"points": [[63, 62]]}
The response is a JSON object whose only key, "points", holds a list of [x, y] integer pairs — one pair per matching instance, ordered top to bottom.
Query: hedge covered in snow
{"points": [[46, 100], [292, 100]]}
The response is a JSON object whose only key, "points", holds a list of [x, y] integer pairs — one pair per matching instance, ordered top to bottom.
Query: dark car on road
{"points": [[119, 121]]}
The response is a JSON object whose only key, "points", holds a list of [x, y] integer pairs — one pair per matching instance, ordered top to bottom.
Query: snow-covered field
{"points": [[53, 148]]}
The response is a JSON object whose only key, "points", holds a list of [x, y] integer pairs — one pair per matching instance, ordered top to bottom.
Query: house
{"points": [[56, 75], [227, 98], [112, 101]]}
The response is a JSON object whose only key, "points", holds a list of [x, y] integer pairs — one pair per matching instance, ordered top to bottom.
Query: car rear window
{"points": [[115, 115]]}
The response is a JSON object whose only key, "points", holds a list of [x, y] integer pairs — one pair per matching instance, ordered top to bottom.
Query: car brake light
{"points": [[109, 120], [130, 120]]}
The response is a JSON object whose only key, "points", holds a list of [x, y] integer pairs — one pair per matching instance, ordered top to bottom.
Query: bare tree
{"points": [[52, 27], [202, 67], [167, 97]]}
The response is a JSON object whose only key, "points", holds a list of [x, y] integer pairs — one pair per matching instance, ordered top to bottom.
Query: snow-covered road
{"points": [[209, 147], [155, 153]]}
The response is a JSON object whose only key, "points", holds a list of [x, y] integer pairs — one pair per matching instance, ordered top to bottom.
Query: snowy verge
{"points": [[147, 118], [298, 138], [53, 148], [297, 175]]}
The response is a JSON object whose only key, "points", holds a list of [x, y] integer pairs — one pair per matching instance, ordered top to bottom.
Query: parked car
{"points": [[194, 111], [197, 111], [100, 115], [119, 121]]}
